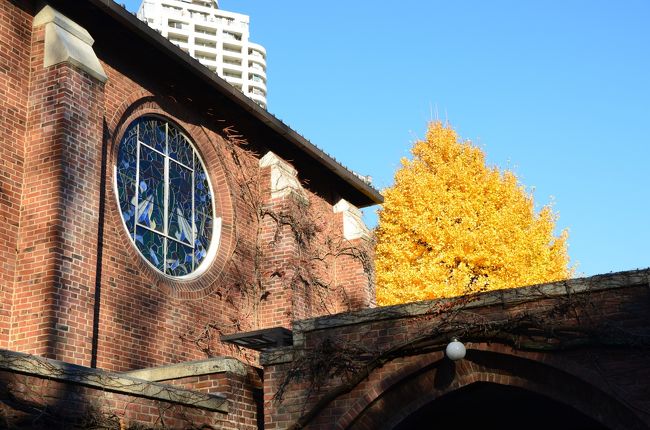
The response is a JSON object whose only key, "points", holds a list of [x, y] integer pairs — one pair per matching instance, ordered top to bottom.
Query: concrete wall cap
{"points": [[49, 14], [68, 42], [272, 160], [284, 177], [345, 206], [353, 225], [511, 297], [278, 356], [191, 368], [68, 373]]}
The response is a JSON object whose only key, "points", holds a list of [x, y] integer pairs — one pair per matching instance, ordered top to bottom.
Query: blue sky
{"points": [[557, 91]]}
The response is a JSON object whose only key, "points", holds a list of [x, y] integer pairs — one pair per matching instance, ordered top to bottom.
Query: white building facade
{"points": [[217, 38]]}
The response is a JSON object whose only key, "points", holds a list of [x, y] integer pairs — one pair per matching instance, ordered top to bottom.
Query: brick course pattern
{"points": [[15, 27], [56, 259], [72, 285], [603, 374], [244, 391], [22, 400]]}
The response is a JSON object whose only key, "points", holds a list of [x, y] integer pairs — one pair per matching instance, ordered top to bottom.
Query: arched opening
{"points": [[489, 405]]}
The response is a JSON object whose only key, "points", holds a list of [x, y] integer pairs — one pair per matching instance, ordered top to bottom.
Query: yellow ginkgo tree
{"points": [[451, 225]]}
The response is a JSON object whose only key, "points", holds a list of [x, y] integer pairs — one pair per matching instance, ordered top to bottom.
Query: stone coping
{"points": [[48, 14], [68, 42], [500, 297], [280, 355], [33, 365], [190, 368]]}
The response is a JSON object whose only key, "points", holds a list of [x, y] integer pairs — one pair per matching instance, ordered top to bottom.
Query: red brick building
{"points": [[148, 208], [158, 229]]}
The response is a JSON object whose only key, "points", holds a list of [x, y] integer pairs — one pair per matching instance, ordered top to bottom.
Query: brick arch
{"points": [[210, 146], [389, 397]]}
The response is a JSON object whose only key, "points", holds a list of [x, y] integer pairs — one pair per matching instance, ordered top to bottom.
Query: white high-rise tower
{"points": [[218, 39]]}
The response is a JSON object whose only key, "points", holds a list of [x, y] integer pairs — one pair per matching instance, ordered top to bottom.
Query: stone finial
{"points": [[67, 41], [284, 178], [353, 225]]}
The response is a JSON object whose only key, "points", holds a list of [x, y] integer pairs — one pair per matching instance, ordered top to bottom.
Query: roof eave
{"points": [[140, 28]]}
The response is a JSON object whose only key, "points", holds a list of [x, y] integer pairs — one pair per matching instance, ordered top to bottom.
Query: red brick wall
{"points": [[15, 30], [57, 243], [309, 268], [73, 285], [224, 296], [143, 315], [603, 382], [243, 393], [39, 403]]}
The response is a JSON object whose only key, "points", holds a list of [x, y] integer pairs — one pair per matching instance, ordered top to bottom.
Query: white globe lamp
{"points": [[455, 350]]}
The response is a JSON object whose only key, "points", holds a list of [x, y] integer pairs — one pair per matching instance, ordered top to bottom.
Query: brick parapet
{"points": [[507, 297], [607, 373], [239, 383], [243, 391], [216, 392], [42, 393]]}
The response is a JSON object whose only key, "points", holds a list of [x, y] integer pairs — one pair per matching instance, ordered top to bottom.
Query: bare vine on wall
{"points": [[318, 243], [319, 248], [334, 365]]}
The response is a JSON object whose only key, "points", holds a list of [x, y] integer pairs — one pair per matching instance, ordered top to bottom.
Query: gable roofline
{"points": [[358, 192]]}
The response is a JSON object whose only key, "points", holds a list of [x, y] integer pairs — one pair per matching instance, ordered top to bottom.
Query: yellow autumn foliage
{"points": [[452, 225]]}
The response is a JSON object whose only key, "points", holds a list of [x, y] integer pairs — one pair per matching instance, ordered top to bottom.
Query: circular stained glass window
{"points": [[165, 196]]}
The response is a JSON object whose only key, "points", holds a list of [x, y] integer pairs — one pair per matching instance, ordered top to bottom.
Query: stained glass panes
{"points": [[152, 132], [179, 148], [126, 173], [126, 183], [151, 189], [180, 190], [202, 195], [164, 196], [180, 228], [151, 246], [179, 259]]}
